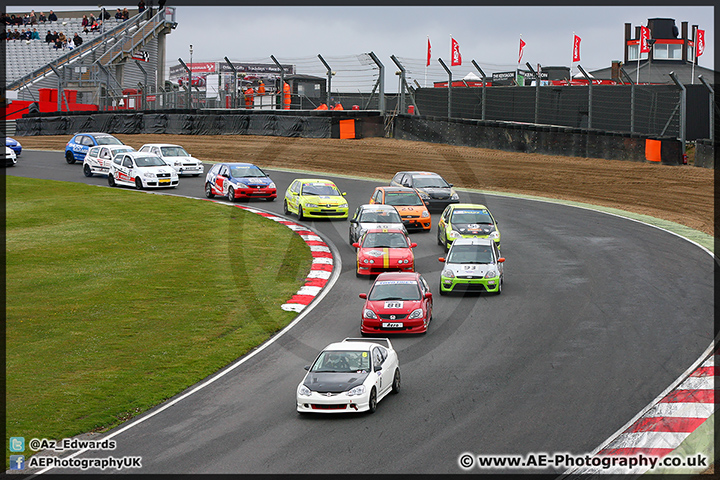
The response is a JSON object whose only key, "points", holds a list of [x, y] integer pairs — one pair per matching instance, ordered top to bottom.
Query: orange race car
{"points": [[407, 202]]}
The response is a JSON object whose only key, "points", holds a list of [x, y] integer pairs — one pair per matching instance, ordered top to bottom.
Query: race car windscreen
{"points": [[107, 140], [174, 152], [149, 161], [245, 172], [429, 181], [319, 189], [403, 199], [380, 217], [481, 217], [384, 240], [470, 254], [394, 290], [341, 362]]}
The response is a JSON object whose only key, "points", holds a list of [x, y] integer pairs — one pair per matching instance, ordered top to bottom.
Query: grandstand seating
{"points": [[25, 56]]}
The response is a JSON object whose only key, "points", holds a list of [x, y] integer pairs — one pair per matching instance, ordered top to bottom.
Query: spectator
{"points": [[161, 5], [141, 6], [118, 14], [126, 14], [104, 15], [52, 17], [33, 18], [42, 18], [26, 19], [92, 19], [85, 22], [96, 26], [15, 35], [35, 35], [49, 37], [62, 38], [77, 40]]}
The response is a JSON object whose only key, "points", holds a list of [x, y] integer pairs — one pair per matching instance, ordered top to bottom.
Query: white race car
{"points": [[10, 157], [176, 157], [99, 158], [141, 170], [350, 376]]}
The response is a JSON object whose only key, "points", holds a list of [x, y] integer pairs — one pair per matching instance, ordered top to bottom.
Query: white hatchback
{"points": [[175, 156], [99, 158], [141, 170]]}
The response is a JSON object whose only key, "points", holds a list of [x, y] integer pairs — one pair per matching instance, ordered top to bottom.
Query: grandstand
{"points": [[121, 55]]}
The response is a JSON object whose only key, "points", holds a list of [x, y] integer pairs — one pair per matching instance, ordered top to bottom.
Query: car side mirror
{"points": [[450, 185], [344, 193], [353, 221], [356, 245], [413, 245], [441, 259], [501, 259], [428, 295], [363, 296], [307, 367], [378, 368]]}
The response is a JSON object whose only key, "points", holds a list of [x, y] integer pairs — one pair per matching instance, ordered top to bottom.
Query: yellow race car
{"points": [[315, 198]]}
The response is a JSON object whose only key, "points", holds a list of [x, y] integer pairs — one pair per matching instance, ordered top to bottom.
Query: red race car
{"points": [[384, 250], [398, 302]]}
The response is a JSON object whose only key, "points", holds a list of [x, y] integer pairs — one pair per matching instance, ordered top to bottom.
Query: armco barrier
{"points": [[531, 138]]}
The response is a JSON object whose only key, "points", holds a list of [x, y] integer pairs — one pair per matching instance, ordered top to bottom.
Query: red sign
{"points": [[644, 37], [700, 42], [522, 45], [576, 49], [428, 55], [455, 57], [205, 67], [150, 98]]}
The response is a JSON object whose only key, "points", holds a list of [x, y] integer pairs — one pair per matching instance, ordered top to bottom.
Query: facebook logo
{"points": [[17, 444], [17, 462]]}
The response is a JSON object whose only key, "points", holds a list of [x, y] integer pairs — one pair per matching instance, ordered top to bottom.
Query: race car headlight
{"points": [[149, 175], [272, 185], [423, 195], [454, 196], [311, 205], [425, 214], [453, 234], [495, 234], [368, 260], [448, 273], [491, 274], [367, 313], [417, 313], [303, 390], [359, 390]]}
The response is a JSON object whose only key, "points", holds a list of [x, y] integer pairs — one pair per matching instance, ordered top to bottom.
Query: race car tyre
{"points": [[69, 157], [87, 171], [196, 174], [111, 180], [138, 183], [208, 191], [231, 194], [270, 199], [285, 209], [300, 212], [439, 241], [499, 290], [442, 292], [396, 382], [372, 404]]}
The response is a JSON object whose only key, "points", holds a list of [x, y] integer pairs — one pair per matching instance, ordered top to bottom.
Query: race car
{"points": [[80, 143], [14, 145], [175, 156], [10, 157], [99, 158], [141, 170], [239, 180], [432, 188], [315, 198], [408, 203], [373, 216], [466, 220], [384, 250], [472, 264], [398, 302], [349, 376]]}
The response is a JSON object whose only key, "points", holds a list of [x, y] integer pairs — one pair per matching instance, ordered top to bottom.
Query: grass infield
{"points": [[118, 300]]}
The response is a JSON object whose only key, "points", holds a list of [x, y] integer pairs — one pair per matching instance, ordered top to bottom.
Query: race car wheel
{"points": [[69, 157], [87, 171], [111, 180], [138, 183], [208, 191], [231, 194], [270, 199], [285, 209], [300, 212], [439, 241], [499, 290], [442, 292], [396, 382], [372, 405]]}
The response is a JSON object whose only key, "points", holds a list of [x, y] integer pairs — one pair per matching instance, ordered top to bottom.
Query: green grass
{"points": [[118, 300]]}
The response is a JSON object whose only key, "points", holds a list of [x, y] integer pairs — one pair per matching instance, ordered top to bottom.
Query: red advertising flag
{"points": [[644, 37], [700, 42], [522, 45], [576, 49], [428, 55], [456, 58]]}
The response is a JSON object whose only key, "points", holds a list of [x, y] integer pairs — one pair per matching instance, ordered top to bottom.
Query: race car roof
{"points": [[460, 206], [480, 242]]}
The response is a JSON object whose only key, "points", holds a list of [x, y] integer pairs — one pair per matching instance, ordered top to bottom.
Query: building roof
{"points": [[658, 72]]}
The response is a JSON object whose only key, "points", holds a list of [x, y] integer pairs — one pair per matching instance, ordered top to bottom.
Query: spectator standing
{"points": [[161, 5], [141, 6], [104, 14], [52, 17]]}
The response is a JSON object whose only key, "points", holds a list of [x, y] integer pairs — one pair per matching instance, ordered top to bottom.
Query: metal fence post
{"points": [[587, 77], [329, 78], [189, 83], [381, 83], [483, 88], [537, 90], [234, 91], [279, 91], [449, 95], [401, 107], [712, 108], [683, 113]]}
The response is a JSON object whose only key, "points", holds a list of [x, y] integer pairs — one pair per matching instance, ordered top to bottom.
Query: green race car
{"points": [[315, 198], [466, 220], [472, 264]]}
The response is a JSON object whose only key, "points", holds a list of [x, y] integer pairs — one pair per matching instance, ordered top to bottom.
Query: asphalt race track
{"points": [[598, 315]]}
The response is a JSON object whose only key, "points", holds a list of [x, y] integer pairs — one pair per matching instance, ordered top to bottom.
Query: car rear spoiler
{"points": [[382, 341]]}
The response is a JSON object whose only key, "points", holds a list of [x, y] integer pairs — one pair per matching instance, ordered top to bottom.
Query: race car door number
{"points": [[392, 325]]}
